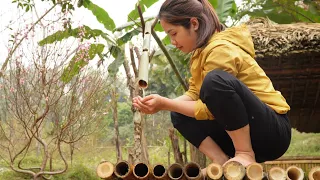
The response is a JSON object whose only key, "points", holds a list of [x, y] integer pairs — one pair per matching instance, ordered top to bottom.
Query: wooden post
{"points": [[175, 146], [105, 170], [123, 170], [234, 170], [141, 171], [175, 171], [192, 171], [214, 171], [159, 172], [254, 172], [277, 173], [294, 173], [314, 173]]}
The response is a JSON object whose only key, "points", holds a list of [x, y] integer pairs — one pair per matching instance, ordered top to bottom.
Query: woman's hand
{"points": [[149, 104]]}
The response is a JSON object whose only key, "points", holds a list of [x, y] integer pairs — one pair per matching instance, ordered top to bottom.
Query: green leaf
{"points": [[214, 3], [224, 8], [134, 14], [101, 15], [158, 27], [88, 33], [127, 37], [166, 40], [118, 54], [78, 62]]}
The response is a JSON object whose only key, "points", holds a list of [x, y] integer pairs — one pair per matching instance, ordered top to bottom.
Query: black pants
{"points": [[234, 106]]}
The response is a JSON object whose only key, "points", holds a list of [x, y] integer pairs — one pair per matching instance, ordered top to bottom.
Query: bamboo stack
{"points": [[192, 171]]}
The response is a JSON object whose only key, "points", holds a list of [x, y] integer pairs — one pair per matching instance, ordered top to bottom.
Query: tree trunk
{"points": [[115, 120], [175, 146], [197, 156]]}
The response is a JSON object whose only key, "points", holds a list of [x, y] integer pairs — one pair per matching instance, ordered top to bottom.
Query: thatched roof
{"points": [[290, 55]]}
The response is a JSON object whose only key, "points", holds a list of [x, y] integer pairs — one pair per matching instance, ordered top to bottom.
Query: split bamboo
{"points": [[144, 62], [105, 170], [123, 170], [234, 170], [141, 171], [175, 171], [192, 171], [214, 171], [159, 172], [254, 172], [277, 173], [294, 173], [314, 173]]}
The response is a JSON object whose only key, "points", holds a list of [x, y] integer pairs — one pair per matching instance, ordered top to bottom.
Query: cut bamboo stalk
{"points": [[144, 61], [105, 170], [123, 170], [234, 170], [141, 171], [175, 171], [192, 171], [214, 171], [159, 172], [254, 172], [277, 173], [294, 173], [314, 173]]}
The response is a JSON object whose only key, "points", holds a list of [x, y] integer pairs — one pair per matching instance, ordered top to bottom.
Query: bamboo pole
{"points": [[144, 62], [105, 170], [123, 170], [234, 170], [141, 171], [175, 171], [192, 171], [214, 171], [159, 172], [254, 172], [277, 173], [294, 173], [314, 173]]}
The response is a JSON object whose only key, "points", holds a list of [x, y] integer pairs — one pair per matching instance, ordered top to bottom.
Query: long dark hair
{"points": [[179, 12]]}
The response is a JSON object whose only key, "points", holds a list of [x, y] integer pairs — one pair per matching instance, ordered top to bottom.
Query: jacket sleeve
{"points": [[224, 57], [192, 92]]}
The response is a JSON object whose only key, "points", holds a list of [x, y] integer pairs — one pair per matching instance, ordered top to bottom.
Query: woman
{"points": [[231, 109]]}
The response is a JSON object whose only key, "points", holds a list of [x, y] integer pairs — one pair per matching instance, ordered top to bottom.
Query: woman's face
{"points": [[184, 39]]}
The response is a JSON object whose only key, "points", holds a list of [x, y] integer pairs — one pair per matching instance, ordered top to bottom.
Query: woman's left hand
{"points": [[149, 104]]}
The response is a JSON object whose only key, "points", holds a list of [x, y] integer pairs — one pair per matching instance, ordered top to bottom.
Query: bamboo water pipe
{"points": [[144, 61], [105, 170], [123, 170], [234, 170], [141, 171], [175, 171], [192, 171], [214, 171], [159, 172], [254, 172], [277, 173], [294, 173], [314, 173]]}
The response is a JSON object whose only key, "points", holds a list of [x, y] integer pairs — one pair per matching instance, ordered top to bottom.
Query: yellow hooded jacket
{"points": [[232, 51]]}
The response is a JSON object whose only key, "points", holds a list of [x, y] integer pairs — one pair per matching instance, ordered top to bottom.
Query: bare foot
{"points": [[245, 158]]}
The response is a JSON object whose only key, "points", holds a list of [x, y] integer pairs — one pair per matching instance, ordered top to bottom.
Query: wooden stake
{"points": [[105, 170], [123, 170], [234, 170], [141, 171], [175, 171], [192, 171], [214, 171], [254, 172], [277, 173], [294, 173], [314, 173]]}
